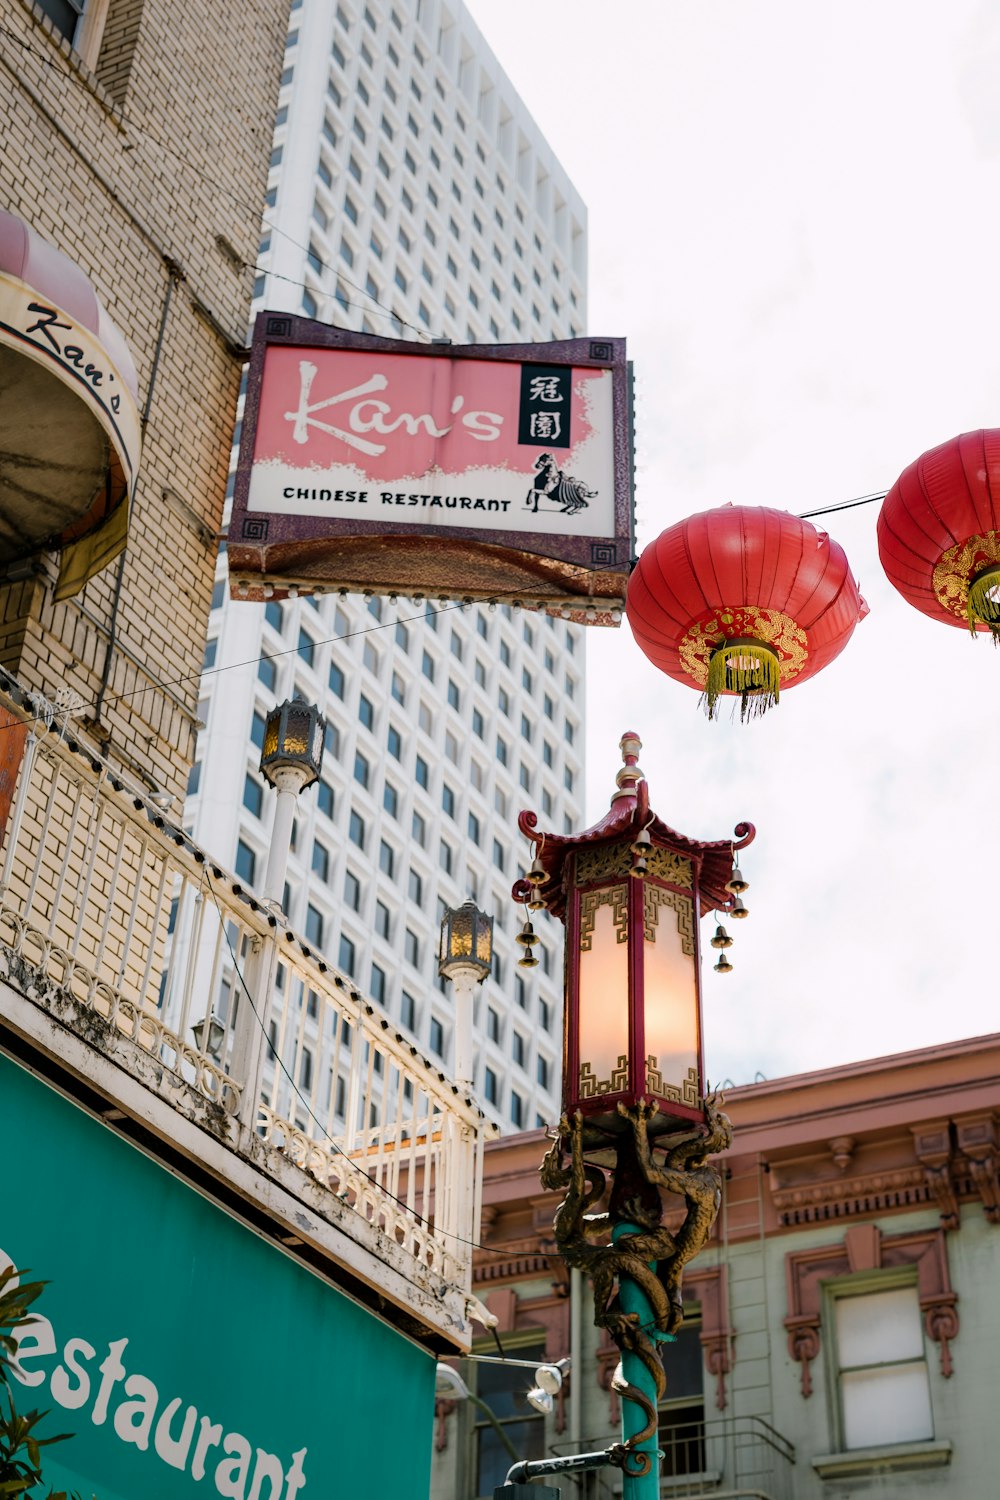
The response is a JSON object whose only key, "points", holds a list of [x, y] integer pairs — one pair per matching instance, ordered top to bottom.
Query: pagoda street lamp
{"points": [[631, 892]]}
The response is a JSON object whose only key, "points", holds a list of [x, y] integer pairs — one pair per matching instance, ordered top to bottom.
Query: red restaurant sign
{"points": [[475, 472]]}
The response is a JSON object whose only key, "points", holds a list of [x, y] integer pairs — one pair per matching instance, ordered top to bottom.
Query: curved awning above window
{"points": [[69, 419]]}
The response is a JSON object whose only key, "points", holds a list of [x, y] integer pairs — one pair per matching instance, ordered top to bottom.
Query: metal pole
{"points": [[634, 1300]]}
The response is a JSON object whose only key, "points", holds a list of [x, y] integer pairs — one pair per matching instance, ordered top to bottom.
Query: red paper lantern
{"points": [[939, 532], [743, 600]]}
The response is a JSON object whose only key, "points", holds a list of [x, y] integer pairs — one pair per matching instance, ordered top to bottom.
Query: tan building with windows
{"points": [[127, 147], [841, 1328]]}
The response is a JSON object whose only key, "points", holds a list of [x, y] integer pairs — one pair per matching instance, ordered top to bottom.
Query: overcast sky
{"points": [[794, 221]]}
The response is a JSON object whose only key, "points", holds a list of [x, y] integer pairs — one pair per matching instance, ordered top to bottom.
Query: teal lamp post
{"points": [[631, 892]]}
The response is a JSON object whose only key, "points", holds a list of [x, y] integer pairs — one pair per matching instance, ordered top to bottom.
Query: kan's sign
{"points": [[350, 442]]}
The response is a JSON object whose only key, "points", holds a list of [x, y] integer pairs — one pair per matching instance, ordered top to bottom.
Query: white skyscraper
{"points": [[412, 196]]}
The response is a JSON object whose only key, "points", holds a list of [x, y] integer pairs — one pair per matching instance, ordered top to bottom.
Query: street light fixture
{"points": [[290, 760], [465, 957]]}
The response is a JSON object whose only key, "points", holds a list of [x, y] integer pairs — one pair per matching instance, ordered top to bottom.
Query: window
{"points": [[402, 637], [505, 650], [427, 666], [266, 671], [480, 675], [398, 688], [454, 697], [365, 712], [478, 723], [258, 724], [394, 741], [451, 748], [502, 751], [362, 769], [421, 772], [194, 779], [253, 795], [324, 798], [448, 799], [390, 800], [473, 828], [419, 829], [356, 830], [498, 855], [446, 857], [386, 858], [321, 860], [246, 862], [416, 888], [352, 891], [382, 920], [314, 926], [411, 948], [346, 956], [377, 984], [520, 992], [408, 1011], [545, 1015], [493, 1024], [436, 1039], [517, 1048], [543, 1071], [490, 1086], [516, 1109], [501, 1390], [884, 1395], [682, 1430]]}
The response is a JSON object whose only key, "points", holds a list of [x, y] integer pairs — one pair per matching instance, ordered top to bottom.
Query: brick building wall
{"points": [[147, 164]]}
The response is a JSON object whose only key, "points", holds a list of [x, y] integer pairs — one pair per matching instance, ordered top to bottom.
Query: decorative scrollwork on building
{"points": [[598, 864], [615, 896], [653, 897], [654, 1078], [592, 1087], [686, 1094]]}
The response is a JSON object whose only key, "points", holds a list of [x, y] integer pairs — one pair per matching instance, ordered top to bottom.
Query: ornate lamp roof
{"points": [[628, 816]]}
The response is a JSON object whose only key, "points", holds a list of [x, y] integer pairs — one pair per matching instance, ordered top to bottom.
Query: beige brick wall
{"points": [[137, 169]]}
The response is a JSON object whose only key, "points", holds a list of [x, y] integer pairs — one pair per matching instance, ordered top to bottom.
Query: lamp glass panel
{"points": [[671, 993], [603, 1006]]}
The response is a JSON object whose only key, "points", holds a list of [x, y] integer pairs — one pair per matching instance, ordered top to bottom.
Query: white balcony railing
{"points": [[108, 911]]}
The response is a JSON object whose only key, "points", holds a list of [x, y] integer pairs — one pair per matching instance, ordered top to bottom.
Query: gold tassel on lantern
{"points": [[983, 603], [748, 669]]}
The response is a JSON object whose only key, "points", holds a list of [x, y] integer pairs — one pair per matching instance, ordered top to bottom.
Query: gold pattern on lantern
{"points": [[957, 567], [775, 629], [598, 864], [615, 896], [653, 897], [592, 1088], [686, 1094]]}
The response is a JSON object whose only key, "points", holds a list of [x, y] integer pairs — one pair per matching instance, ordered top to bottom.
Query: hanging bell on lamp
{"points": [[640, 848], [536, 875], [736, 884], [738, 910], [527, 938], [721, 938], [723, 966]]}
